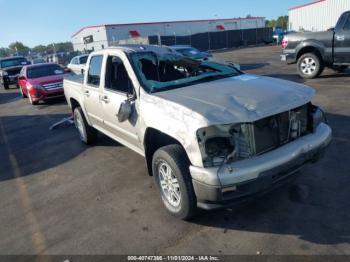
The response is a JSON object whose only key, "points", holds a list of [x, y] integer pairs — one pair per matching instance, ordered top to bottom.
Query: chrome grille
{"points": [[53, 86]]}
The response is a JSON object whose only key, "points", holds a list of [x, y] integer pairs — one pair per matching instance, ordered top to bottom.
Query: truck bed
{"points": [[79, 79]]}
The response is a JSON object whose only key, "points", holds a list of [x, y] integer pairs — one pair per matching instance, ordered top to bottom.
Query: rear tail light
{"points": [[284, 43]]}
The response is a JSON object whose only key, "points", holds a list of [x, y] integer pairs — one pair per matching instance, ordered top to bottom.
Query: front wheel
{"points": [[310, 66], [6, 86], [23, 95], [32, 102], [88, 134], [172, 176]]}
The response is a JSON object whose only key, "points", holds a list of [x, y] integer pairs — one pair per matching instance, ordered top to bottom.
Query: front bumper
{"points": [[290, 58], [11, 80], [42, 94], [227, 185]]}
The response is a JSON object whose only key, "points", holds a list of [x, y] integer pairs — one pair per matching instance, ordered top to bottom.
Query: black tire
{"points": [[310, 66], [339, 69], [6, 86], [23, 95], [33, 103], [87, 133], [175, 157]]}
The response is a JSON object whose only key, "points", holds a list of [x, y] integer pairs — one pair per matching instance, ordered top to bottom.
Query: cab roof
{"points": [[141, 48]]}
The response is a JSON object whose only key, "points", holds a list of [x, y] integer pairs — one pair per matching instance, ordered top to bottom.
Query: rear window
{"points": [[13, 62], [42, 71]]}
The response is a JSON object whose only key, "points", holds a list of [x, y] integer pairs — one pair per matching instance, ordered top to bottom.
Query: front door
{"points": [[342, 41], [117, 88], [92, 91]]}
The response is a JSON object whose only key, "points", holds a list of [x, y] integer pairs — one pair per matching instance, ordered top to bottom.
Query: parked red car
{"points": [[41, 82]]}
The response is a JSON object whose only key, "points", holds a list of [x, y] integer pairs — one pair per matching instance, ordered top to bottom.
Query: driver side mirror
{"points": [[124, 112]]}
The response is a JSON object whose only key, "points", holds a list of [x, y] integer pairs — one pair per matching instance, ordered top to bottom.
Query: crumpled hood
{"points": [[244, 98]]}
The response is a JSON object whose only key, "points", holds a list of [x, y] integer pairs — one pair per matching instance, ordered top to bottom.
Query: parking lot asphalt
{"points": [[59, 196]]}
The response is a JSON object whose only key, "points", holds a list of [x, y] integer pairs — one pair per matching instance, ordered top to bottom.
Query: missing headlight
{"points": [[317, 117], [217, 144], [219, 147]]}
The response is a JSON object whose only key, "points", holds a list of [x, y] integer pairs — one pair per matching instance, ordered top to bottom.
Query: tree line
{"points": [[281, 21], [18, 48]]}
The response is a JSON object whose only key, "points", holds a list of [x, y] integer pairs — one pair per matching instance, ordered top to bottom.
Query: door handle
{"points": [[340, 37], [87, 93], [105, 99]]}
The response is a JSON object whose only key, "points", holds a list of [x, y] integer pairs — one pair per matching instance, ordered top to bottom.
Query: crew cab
{"points": [[313, 51], [77, 64], [9, 70], [41, 82], [211, 135]]}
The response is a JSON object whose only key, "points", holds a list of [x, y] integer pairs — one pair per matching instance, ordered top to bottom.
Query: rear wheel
{"points": [[310, 66], [88, 134], [172, 176]]}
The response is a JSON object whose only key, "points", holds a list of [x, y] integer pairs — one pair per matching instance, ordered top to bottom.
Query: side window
{"points": [[341, 22], [347, 24], [74, 61], [94, 74], [117, 77]]}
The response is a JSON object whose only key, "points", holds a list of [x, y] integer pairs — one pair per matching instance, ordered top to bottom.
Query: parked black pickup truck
{"points": [[313, 51], [10, 68]]}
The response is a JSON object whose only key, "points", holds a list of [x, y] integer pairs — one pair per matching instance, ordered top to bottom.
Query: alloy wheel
{"points": [[169, 184]]}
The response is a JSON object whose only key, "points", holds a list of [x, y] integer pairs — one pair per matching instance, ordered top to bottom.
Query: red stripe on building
{"points": [[305, 5], [169, 22], [134, 33]]}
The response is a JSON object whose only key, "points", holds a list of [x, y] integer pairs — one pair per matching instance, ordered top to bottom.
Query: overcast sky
{"points": [[36, 22]]}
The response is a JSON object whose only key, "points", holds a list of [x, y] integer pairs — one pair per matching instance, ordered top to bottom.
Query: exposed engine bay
{"points": [[227, 143]]}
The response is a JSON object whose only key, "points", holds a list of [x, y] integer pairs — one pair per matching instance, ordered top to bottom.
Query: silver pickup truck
{"points": [[211, 135]]}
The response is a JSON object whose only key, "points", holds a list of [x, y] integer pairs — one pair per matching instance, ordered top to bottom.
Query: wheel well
{"points": [[309, 49], [74, 103], [154, 139]]}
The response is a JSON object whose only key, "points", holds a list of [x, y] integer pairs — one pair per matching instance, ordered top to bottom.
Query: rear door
{"points": [[342, 40], [118, 86], [92, 91]]}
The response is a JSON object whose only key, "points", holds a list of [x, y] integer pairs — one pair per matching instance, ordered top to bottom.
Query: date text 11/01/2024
{"points": [[173, 258]]}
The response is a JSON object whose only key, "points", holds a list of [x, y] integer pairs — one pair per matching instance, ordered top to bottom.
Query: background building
{"points": [[317, 16], [102, 36]]}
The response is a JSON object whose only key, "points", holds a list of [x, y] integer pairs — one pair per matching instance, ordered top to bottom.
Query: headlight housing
{"points": [[3, 73], [29, 86], [217, 144]]}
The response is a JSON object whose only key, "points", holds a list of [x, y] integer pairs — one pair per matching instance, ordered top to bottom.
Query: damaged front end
{"points": [[223, 144]]}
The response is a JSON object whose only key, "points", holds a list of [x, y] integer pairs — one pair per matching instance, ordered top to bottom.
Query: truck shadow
{"points": [[335, 75], [290, 77], [28, 147], [314, 207]]}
